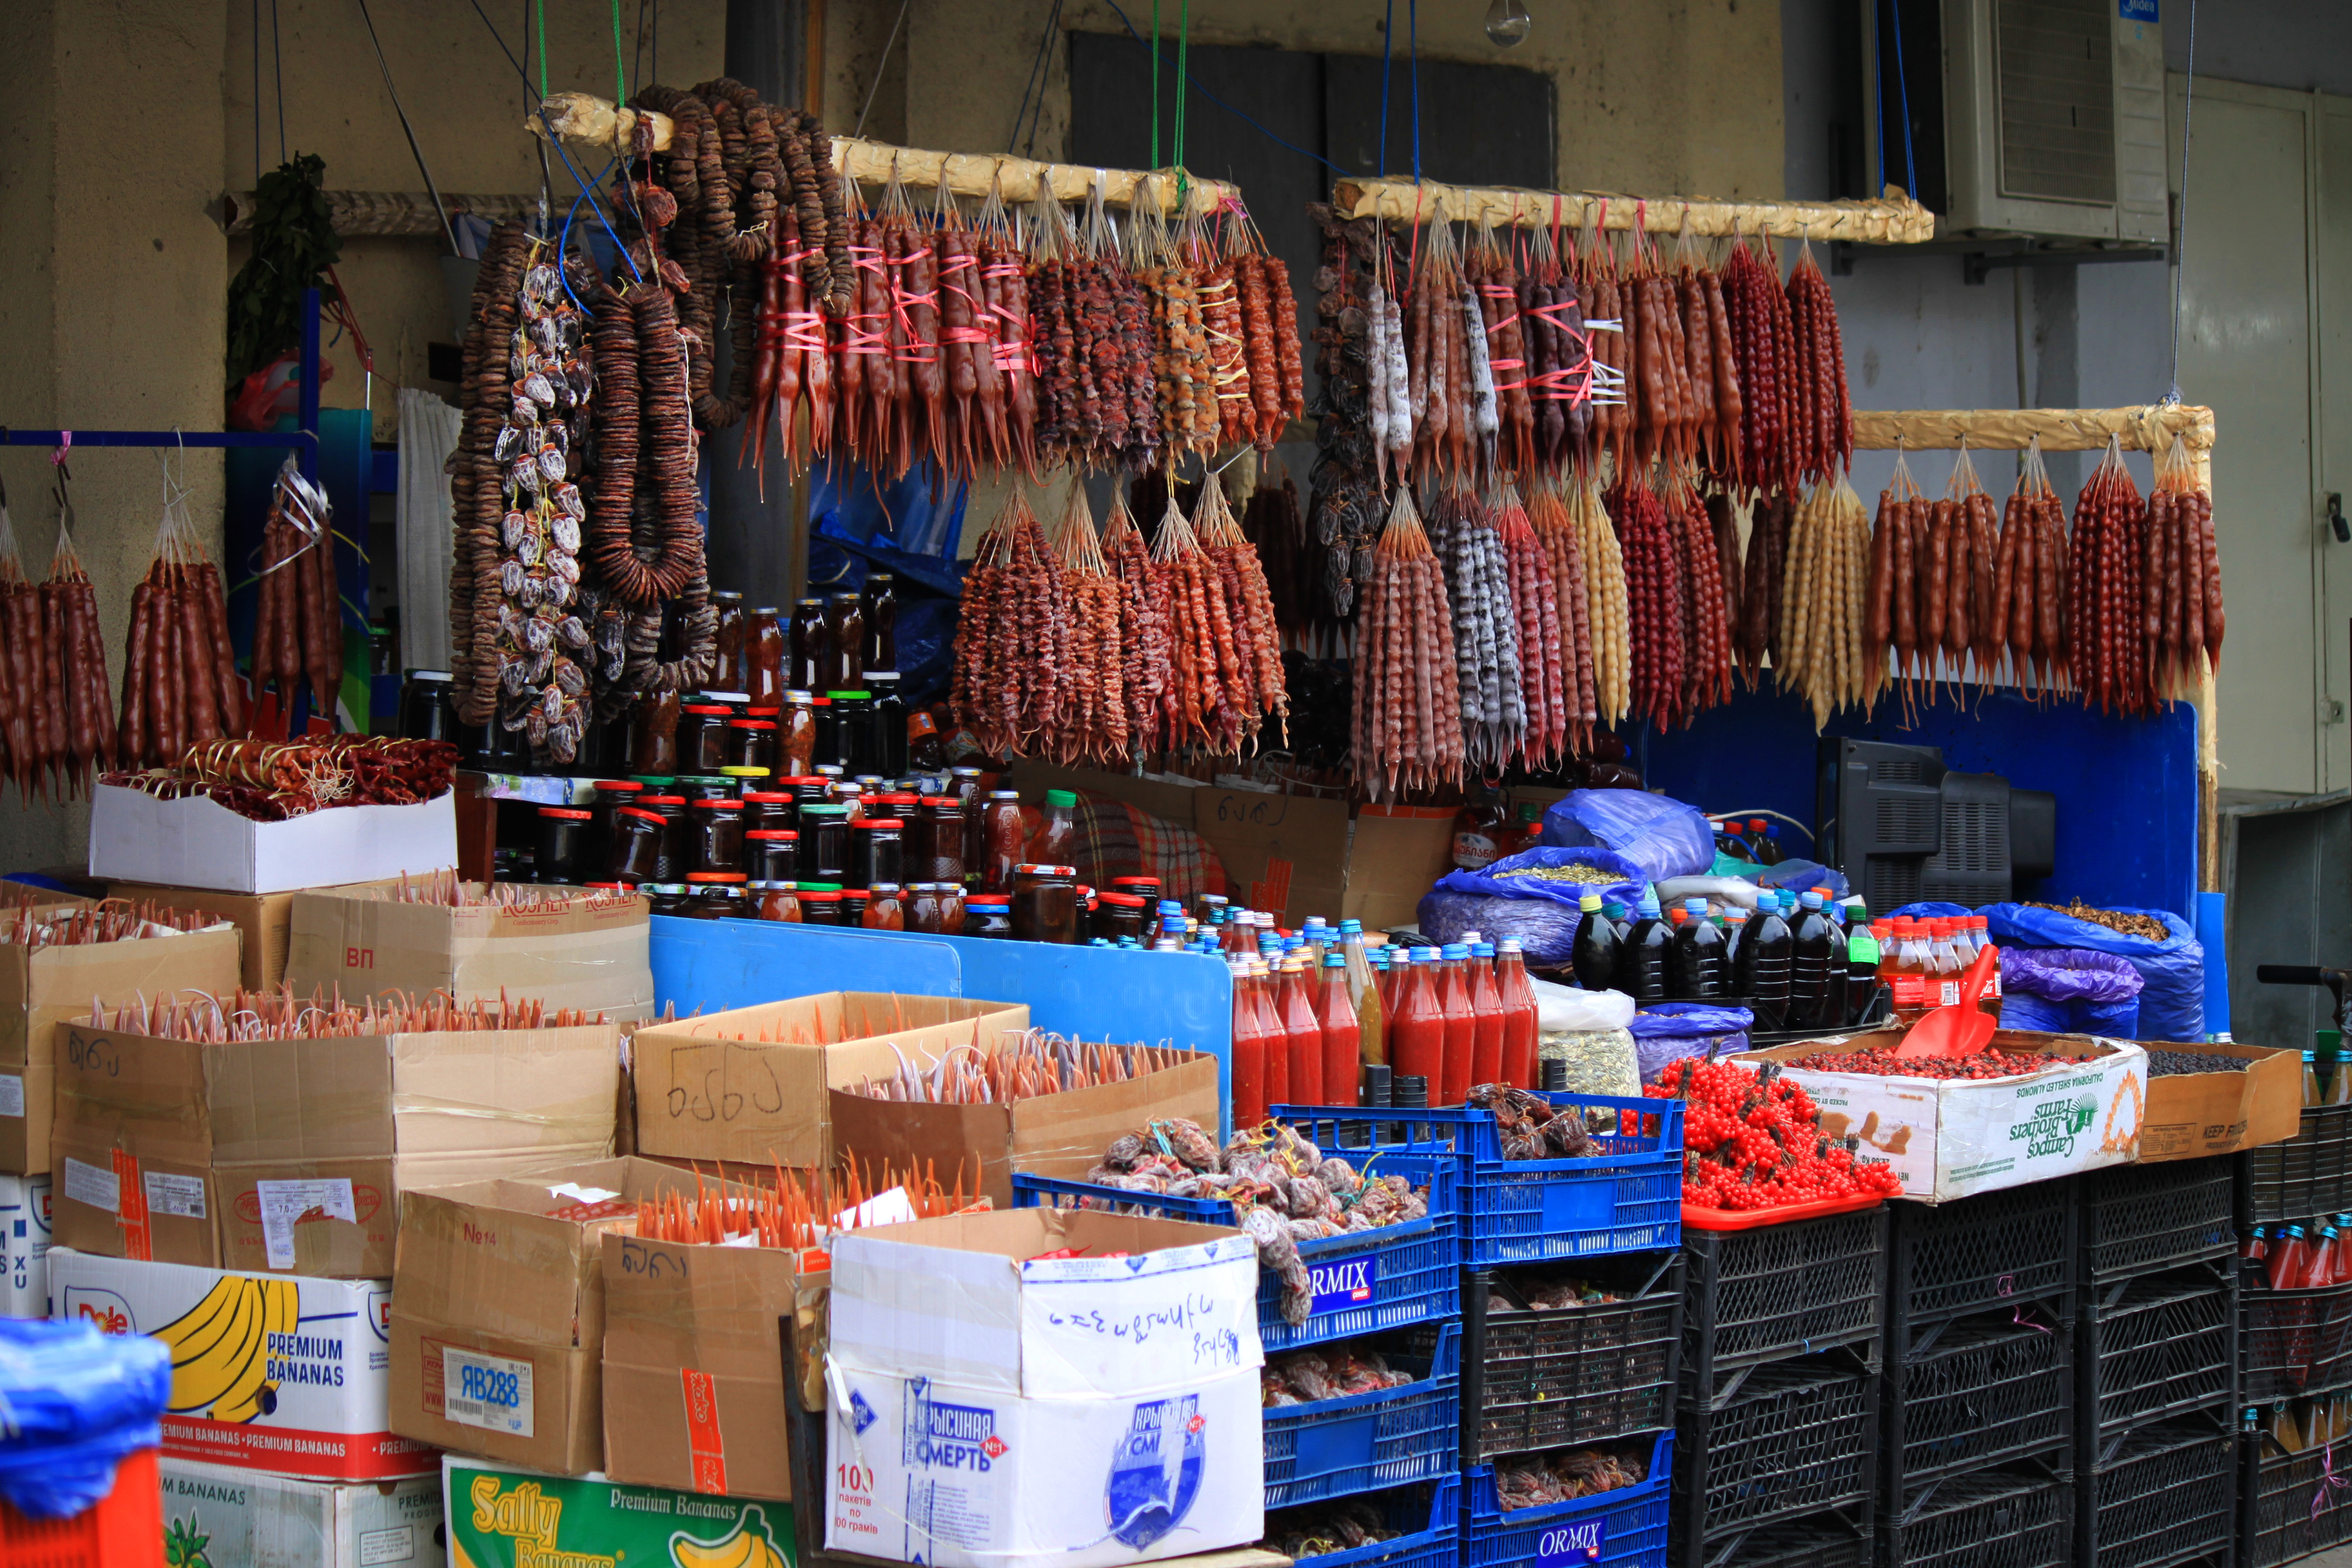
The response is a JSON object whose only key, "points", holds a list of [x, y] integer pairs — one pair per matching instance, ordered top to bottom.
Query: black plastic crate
{"points": [[2308, 1175], [2138, 1219], [1971, 1255], [1778, 1291], [2293, 1344], [2161, 1346], [1544, 1379], [1975, 1393], [1799, 1440], [2159, 1496], [2290, 1504], [2009, 1516], [1828, 1541]]}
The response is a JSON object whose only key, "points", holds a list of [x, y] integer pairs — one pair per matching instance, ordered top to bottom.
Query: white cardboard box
{"points": [[199, 843], [1952, 1138], [24, 1246], [968, 1300], [298, 1384], [920, 1470], [244, 1519]]}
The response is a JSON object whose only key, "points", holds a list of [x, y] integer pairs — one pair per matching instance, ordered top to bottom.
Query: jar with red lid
{"points": [[652, 733], [701, 738], [741, 741], [767, 743], [827, 747], [606, 797], [769, 808], [719, 836], [935, 839], [1004, 839], [876, 850], [561, 852], [633, 852], [771, 854], [676, 856], [1144, 887], [714, 895], [777, 900], [922, 901], [1044, 903], [820, 906], [853, 906], [884, 908], [988, 915], [1120, 915]]}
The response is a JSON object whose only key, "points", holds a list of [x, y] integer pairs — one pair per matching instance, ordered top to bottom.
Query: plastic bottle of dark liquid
{"points": [[1595, 955], [1862, 955], [1641, 958], [1695, 966], [1759, 968], [1809, 968], [1840, 985]]}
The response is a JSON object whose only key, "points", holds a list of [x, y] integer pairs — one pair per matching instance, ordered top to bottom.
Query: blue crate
{"points": [[1536, 1211], [1411, 1272], [1363, 1442], [1623, 1529], [1437, 1546]]}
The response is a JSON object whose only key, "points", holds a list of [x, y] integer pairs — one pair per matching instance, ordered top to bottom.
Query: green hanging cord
{"points": [[541, 7], [620, 77], [1184, 82], [1155, 85]]}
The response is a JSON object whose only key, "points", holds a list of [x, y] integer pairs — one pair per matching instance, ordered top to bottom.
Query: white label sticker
{"points": [[12, 1094], [93, 1185], [578, 1193], [183, 1197], [283, 1203], [487, 1390], [381, 1546]]}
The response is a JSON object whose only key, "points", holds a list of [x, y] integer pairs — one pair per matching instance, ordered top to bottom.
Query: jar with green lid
{"points": [[852, 724], [657, 784], [706, 786], [824, 843]]}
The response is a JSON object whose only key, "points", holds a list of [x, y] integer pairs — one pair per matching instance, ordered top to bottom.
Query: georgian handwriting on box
{"points": [[716, 1080], [1217, 1347]]}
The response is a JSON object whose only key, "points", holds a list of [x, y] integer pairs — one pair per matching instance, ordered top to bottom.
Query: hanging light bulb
{"points": [[1508, 22]]}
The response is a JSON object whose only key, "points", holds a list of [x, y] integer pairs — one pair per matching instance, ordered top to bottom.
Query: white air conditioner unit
{"points": [[2053, 118]]}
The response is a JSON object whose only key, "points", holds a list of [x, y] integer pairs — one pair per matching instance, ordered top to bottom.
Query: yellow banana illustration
{"points": [[196, 1332], [220, 1347], [251, 1393], [747, 1545]]}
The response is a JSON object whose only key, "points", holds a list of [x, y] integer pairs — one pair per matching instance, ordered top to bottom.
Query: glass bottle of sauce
{"points": [[879, 601], [845, 630], [809, 644], [763, 658], [732, 672], [887, 723], [652, 733], [797, 733], [964, 785], [1056, 838], [1003, 840], [778, 901], [884, 908], [1486, 1008], [1335, 1010], [1461, 1025], [1520, 1026], [1303, 1029], [1278, 1038], [1417, 1038], [1250, 1047]]}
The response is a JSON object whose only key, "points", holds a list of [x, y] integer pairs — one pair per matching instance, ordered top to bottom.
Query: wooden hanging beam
{"points": [[584, 118], [387, 214], [1893, 219], [2148, 430]]}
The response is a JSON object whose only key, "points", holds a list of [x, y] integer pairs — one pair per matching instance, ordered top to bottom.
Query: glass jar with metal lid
{"points": [[796, 732], [652, 733], [704, 786], [769, 808], [935, 839], [1005, 839], [714, 895], [665, 898], [777, 900], [922, 901], [1044, 903], [820, 904], [853, 906], [885, 910], [1120, 915]]}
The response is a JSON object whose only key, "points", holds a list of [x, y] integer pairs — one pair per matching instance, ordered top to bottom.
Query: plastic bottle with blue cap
{"points": [[1641, 958], [1695, 965]]}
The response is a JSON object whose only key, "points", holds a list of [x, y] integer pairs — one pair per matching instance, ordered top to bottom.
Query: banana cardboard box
{"points": [[363, 939], [41, 988], [1952, 1138], [292, 1154], [24, 1246], [497, 1318], [287, 1376], [215, 1517], [502, 1517]]}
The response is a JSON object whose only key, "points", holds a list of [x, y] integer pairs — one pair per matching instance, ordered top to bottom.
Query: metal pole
{"points": [[308, 417]]}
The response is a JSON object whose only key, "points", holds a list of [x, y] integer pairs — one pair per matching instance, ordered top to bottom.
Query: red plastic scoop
{"points": [[1959, 1030]]}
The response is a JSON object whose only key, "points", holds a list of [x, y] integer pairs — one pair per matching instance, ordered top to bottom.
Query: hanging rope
{"points": [[1387, 46], [1413, 54], [882, 63], [1183, 76], [1155, 86], [2181, 230]]}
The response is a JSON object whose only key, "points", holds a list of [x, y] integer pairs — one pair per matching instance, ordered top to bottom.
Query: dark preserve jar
{"points": [[880, 601], [810, 642], [763, 657], [732, 672], [888, 725], [852, 727], [652, 733], [826, 744], [606, 797], [768, 809], [719, 836], [936, 840], [1003, 840], [824, 843], [877, 849], [632, 851], [562, 854], [771, 854], [676, 861], [714, 895], [665, 898], [777, 900], [1044, 903], [820, 906], [853, 906], [923, 909], [884, 910], [987, 914], [1120, 915]]}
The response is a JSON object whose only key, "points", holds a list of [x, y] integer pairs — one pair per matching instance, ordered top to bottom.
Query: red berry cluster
{"points": [[1882, 1062], [1752, 1139]]}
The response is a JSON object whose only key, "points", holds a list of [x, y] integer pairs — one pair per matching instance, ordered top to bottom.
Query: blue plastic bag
{"points": [[1659, 836], [1524, 876], [1803, 876], [1929, 911], [1545, 928], [2069, 989], [2172, 998], [1666, 1032], [75, 1401]]}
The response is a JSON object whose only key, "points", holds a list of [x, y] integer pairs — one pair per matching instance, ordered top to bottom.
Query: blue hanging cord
{"points": [[1412, 44], [1388, 47], [1188, 81], [1903, 83], [557, 143], [564, 245]]}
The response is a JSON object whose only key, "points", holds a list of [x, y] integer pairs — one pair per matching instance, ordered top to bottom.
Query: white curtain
{"points": [[428, 434]]}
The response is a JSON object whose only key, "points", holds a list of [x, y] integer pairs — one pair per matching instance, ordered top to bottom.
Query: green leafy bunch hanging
{"points": [[294, 243]]}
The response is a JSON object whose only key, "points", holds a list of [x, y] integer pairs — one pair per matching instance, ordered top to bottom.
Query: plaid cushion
{"points": [[1116, 839]]}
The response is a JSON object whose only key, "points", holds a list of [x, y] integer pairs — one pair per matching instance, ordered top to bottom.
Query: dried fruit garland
{"points": [[180, 683], [55, 713], [1406, 734]]}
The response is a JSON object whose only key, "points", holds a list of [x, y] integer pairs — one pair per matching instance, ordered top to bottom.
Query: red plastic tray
{"points": [[1696, 1217], [122, 1530]]}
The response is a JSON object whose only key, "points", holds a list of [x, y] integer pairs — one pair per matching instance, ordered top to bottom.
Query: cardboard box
{"points": [[197, 842], [264, 921], [573, 954], [42, 987], [732, 1086], [2191, 1115], [1050, 1135], [1951, 1138], [293, 1154], [24, 1246], [968, 1299], [497, 1318], [694, 1373], [299, 1384], [923, 1470], [501, 1517], [243, 1518]]}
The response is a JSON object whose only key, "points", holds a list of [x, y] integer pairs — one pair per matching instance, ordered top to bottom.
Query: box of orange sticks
{"points": [[750, 1084], [1032, 1103], [693, 1294], [497, 1318]]}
